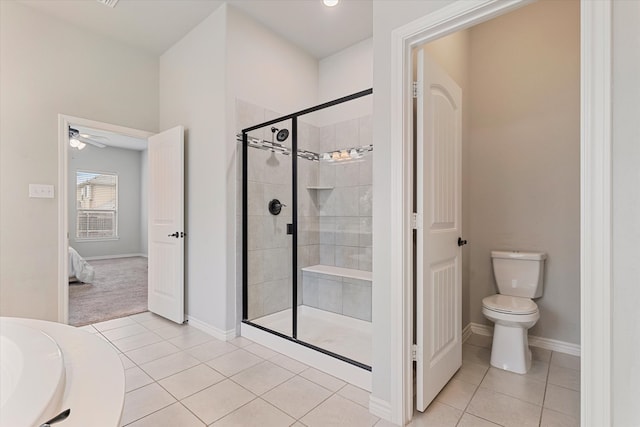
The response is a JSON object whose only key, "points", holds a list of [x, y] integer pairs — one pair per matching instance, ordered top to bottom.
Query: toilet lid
{"points": [[509, 304]]}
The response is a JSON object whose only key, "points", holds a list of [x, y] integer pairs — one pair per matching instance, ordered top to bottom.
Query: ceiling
{"points": [[154, 26], [111, 139]]}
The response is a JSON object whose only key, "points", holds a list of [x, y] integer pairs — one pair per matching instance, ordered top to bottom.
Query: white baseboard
{"points": [[97, 258], [480, 329], [212, 330], [466, 332], [546, 343], [555, 345], [380, 408]]}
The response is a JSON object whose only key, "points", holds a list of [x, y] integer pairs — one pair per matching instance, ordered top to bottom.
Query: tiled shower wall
{"points": [[346, 210], [334, 225]]}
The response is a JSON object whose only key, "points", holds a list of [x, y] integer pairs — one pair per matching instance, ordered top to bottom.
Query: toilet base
{"points": [[510, 349]]}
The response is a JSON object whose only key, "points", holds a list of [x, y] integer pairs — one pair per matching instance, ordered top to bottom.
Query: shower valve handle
{"points": [[275, 207]]}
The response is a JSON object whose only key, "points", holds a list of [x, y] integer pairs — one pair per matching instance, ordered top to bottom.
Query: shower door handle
{"points": [[289, 228]]}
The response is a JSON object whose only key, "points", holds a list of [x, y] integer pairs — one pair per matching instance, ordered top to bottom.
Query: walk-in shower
{"points": [[306, 227]]}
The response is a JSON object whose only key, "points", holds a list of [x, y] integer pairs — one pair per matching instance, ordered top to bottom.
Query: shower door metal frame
{"points": [[294, 212]]}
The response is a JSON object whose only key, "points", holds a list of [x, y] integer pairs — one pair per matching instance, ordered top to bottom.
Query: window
{"points": [[97, 205]]}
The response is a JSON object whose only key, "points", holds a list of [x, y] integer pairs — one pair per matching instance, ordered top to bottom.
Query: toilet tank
{"points": [[519, 274]]}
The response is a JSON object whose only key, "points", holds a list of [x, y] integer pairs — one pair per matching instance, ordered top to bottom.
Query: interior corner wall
{"points": [[387, 16], [452, 53], [264, 70], [341, 74], [39, 79], [192, 94], [525, 155], [126, 165], [144, 202], [625, 386]]}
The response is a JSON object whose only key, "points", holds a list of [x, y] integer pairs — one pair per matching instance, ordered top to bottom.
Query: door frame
{"points": [[64, 121], [595, 205]]}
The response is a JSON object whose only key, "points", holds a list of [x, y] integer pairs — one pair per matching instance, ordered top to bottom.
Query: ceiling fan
{"points": [[80, 140]]}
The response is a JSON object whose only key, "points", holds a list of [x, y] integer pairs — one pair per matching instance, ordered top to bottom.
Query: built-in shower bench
{"points": [[345, 291]]}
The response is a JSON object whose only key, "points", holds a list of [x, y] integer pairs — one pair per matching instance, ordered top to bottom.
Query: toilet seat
{"points": [[509, 305]]}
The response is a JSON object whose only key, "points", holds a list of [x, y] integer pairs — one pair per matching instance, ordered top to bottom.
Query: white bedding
{"points": [[79, 268]]}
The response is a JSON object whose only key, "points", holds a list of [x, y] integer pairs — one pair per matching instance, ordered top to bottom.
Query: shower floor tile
{"points": [[339, 334]]}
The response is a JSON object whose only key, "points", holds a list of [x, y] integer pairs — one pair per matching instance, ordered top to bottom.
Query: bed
{"points": [[79, 268]]}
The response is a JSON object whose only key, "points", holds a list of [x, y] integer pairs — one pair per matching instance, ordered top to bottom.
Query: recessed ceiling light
{"points": [[110, 3], [330, 3]]}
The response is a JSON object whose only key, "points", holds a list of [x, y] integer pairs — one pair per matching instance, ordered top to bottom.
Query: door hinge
{"points": [[414, 88], [414, 221], [414, 352]]}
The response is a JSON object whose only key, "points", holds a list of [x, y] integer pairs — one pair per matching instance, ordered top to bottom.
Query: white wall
{"points": [[387, 15], [267, 70], [341, 74], [113, 83], [192, 93], [524, 159], [126, 165], [626, 214]]}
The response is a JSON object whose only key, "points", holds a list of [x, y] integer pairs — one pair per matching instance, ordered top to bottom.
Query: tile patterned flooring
{"points": [[178, 376]]}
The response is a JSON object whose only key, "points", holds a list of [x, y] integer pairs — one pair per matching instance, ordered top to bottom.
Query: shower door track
{"points": [[294, 212]]}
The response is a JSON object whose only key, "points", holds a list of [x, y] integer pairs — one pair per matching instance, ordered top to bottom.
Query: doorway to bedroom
{"points": [[107, 223]]}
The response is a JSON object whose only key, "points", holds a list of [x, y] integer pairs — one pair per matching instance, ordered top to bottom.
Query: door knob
{"points": [[176, 235], [461, 242]]}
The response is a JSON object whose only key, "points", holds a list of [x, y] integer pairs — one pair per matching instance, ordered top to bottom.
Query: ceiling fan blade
{"points": [[86, 135], [90, 141]]}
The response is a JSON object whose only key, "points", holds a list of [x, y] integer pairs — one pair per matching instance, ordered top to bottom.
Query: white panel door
{"points": [[166, 224], [438, 257]]}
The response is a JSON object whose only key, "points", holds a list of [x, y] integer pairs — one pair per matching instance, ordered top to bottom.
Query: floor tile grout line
{"points": [[133, 335], [175, 373], [546, 385], [475, 390], [333, 393], [474, 393], [193, 394], [191, 412], [150, 413], [295, 420]]}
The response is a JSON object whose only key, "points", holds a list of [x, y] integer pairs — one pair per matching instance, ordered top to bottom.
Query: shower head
{"points": [[282, 134]]}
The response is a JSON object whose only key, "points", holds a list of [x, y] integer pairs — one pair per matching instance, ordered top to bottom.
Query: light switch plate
{"points": [[41, 191]]}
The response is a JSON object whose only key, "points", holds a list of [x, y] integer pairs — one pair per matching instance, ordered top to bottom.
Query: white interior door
{"points": [[166, 224], [438, 257]]}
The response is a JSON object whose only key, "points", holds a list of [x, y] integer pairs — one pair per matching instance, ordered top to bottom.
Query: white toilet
{"points": [[519, 278]]}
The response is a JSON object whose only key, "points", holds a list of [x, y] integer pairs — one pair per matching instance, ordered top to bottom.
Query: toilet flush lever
{"points": [[461, 242]]}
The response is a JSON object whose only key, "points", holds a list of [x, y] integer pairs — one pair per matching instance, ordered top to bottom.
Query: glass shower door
{"points": [[307, 217], [269, 227], [334, 232]]}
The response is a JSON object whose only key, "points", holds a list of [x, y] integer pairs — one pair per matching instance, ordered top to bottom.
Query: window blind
{"points": [[97, 205]]}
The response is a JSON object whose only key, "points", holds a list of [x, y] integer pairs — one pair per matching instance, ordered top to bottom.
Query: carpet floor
{"points": [[119, 289]]}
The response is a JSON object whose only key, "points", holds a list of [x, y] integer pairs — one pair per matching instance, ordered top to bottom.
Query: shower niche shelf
{"points": [[318, 187]]}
